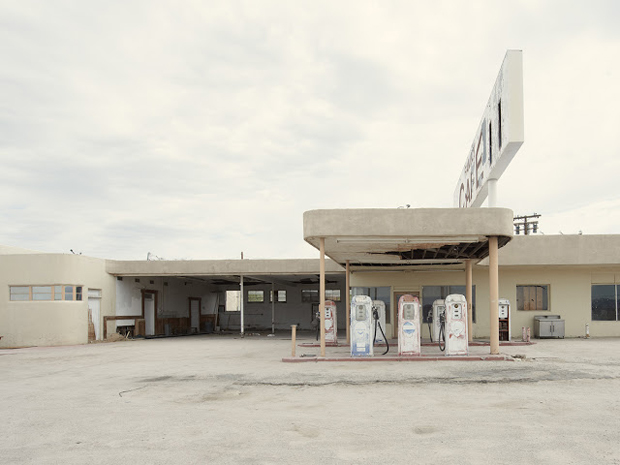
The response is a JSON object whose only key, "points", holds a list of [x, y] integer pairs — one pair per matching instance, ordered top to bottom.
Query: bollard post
{"points": [[527, 334], [293, 339]]}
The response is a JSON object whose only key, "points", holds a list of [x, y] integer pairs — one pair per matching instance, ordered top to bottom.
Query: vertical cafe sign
{"points": [[499, 135]]}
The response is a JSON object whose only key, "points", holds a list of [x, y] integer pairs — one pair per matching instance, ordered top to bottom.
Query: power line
{"points": [[526, 224]]}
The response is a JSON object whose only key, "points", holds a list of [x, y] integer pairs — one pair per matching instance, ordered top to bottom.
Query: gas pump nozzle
{"points": [[375, 315]]}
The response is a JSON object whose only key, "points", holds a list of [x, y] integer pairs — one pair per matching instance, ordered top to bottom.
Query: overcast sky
{"points": [[200, 129]]}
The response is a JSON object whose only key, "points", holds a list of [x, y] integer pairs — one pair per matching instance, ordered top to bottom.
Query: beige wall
{"points": [[569, 293], [45, 323]]}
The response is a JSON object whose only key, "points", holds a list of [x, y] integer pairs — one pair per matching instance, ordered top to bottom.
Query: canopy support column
{"points": [[494, 295], [322, 296], [468, 296], [348, 301]]}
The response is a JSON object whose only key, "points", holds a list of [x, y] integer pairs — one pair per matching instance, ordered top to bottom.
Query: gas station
{"points": [[400, 245]]}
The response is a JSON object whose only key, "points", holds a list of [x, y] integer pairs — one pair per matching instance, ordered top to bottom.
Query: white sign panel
{"points": [[499, 135]]}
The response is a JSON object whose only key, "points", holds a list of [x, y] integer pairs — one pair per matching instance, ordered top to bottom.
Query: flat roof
{"points": [[413, 237], [562, 249], [284, 271]]}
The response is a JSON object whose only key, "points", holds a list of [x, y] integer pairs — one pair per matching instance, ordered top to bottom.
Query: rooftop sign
{"points": [[499, 135]]}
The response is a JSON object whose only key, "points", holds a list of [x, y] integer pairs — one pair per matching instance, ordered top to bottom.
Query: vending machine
{"points": [[438, 311], [504, 320], [331, 323], [408, 325], [456, 325], [378, 326], [361, 329]]}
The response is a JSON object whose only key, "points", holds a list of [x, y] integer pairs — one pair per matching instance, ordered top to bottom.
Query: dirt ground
{"points": [[223, 399]]}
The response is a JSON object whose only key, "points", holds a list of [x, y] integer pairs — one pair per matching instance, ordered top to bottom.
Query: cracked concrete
{"points": [[223, 399]]}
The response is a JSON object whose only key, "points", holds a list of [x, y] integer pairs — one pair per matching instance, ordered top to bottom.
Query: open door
{"points": [[149, 305], [194, 314]]}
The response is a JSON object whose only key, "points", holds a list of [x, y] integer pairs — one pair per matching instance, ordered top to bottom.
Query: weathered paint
{"points": [[499, 136], [331, 322], [408, 325], [456, 325]]}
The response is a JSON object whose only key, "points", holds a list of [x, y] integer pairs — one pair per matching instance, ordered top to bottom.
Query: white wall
{"points": [[46, 323]]}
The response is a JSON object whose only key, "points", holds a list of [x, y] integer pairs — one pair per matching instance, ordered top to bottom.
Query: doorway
{"points": [[149, 306], [94, 311], [194, 314]]}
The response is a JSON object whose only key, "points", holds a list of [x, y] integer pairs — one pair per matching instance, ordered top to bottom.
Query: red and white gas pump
{"points": [[331, 322], [408, 325], [456, 325]]}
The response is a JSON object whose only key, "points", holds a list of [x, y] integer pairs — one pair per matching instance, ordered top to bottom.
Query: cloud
{"points": [[203, 129]]}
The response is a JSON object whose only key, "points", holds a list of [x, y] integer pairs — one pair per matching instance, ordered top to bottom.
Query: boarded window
{"points": [[533, 297]]}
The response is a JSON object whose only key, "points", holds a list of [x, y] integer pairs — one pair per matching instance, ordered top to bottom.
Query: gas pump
{"points": [[439, 311], [504, 320], [331, 322], [379, 325], [408, 325], [456, 325], [361, 332]]}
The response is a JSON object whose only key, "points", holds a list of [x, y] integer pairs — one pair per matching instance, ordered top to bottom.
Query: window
{"points": [[20, 292], [41, 292], [44, 293], [376, 293], [432, 293], [332, 294], [309, 295], [312, 295], [256, 296], [280, 296], [533, 297], [233, 301], [605, 302]]}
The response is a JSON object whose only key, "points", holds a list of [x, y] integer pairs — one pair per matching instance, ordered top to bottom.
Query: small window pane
{"points": [[20, 292], [41, 292], [57, 292], [68, 292], [78, 293], [332, 294], [309, 295], [256, 296], [280, 296], [604, 302]]}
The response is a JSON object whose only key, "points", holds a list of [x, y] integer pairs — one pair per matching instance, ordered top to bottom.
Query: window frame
{"points": [[277, 292], [57, 293], [260, 296], [313, 296], [546, 300], [616, 303]]}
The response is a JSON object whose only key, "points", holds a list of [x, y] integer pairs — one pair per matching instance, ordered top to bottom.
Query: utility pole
{"points": [[526, 223]]}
